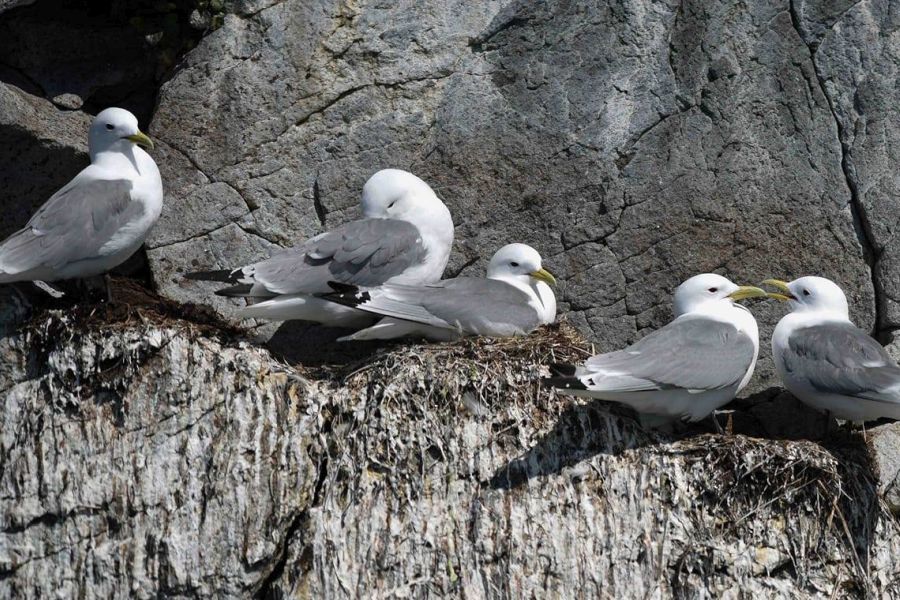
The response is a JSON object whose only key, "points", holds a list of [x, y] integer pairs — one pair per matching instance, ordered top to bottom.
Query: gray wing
{"points": [[72, 225], [365, 253], [472, 305], [691, 353], [840, 358]]}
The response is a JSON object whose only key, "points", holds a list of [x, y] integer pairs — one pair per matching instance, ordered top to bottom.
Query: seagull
{"points": [[98, 219], [404, 237], [513, 301], [825, 360], [685, 370]]}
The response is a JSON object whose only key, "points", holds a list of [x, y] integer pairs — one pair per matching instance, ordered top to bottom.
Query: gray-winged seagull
{"points": [[98, 219], [404, 237], [513, 300], [825, 360], [687, 369]]}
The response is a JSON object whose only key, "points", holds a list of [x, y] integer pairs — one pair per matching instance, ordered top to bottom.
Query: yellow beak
{"points": [[141, 139], [544, 275], [781, 285], [747, 291]]}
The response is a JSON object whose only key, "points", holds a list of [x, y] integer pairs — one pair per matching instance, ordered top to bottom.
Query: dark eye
{"points": [[110, 126], [391, 205], [514, 264], [713, 290], [806, 292]]}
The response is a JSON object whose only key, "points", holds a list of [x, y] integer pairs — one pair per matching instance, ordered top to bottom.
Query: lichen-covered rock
{"points": [[144, 456], [145, 459]]}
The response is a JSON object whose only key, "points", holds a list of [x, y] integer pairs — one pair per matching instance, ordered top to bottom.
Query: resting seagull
{"points": [[97, 220], [404, 237], [513, 300], [825, 360], [685, 370]]}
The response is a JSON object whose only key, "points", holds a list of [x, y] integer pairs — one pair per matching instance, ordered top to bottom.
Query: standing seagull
{"points": [[97, 220], [404, 236], [513, 300], [825, 360], [686, 370]]}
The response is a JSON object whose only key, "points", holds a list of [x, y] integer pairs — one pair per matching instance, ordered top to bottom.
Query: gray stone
{"points": [[5, 5], [200, 20], [80, 57], [857, 59], [632, 145], [42, 150], [116, 435], [884, 449], [145, 457]]}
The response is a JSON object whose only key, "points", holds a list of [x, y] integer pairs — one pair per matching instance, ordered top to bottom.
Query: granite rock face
{"points": [[856, 55], [634, 145], [144, 457]]}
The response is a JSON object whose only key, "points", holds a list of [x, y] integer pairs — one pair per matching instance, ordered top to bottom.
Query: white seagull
{"points": [[97, 220], [404, 237], [513, 300], [825, 360], [685, 370]]}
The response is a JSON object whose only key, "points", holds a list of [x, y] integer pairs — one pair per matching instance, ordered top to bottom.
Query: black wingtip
{"points": [[223, 275], [342, 288], [236, 291], [348, 295], [563, 369], [563, 383]]}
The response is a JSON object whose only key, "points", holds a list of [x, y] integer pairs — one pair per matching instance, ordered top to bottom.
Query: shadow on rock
{"points": [[311, 345], [777, 414], [585, 430], [582, 431]]}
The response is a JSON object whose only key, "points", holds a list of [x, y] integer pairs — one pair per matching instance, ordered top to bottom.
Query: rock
{"points": [[5, 5], [200, 20], [75, 57], [857, 63], [68, 101], [633, 146], [43, 149], [123, 443], [884, 448], [154, 451], [147, 456]]}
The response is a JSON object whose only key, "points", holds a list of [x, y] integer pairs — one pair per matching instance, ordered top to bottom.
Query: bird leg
{"points": [[51, 290], [714, 415]]}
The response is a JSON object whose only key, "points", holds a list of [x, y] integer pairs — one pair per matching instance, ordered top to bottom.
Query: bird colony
{"points": [[379, 277]]}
